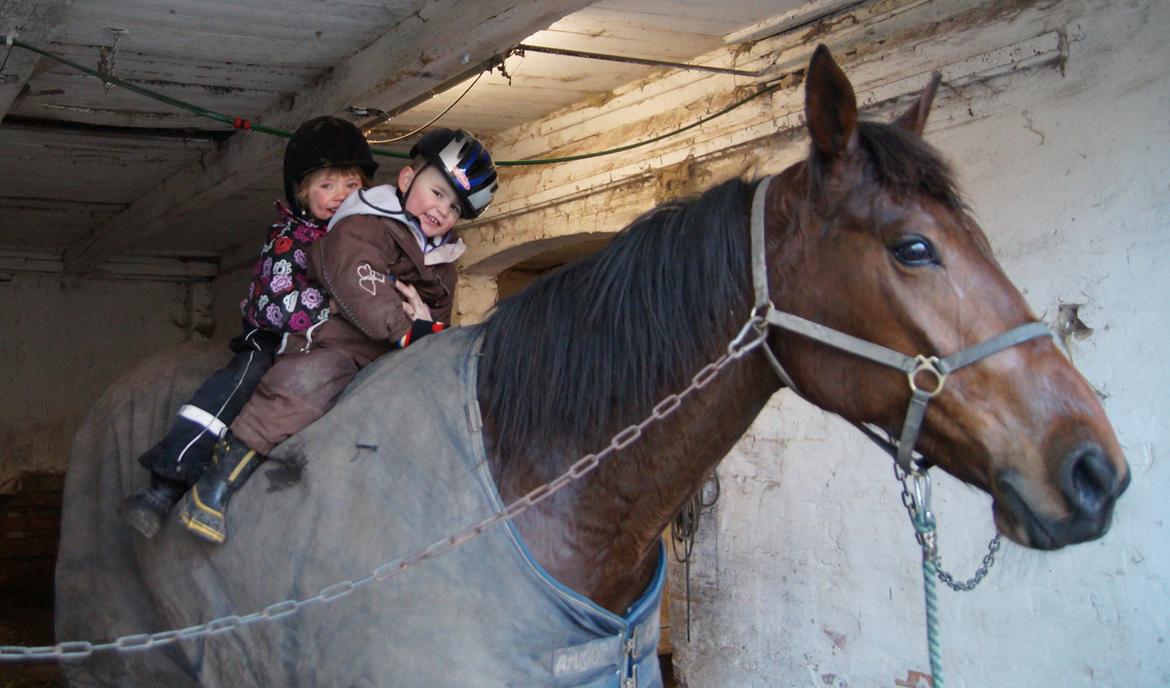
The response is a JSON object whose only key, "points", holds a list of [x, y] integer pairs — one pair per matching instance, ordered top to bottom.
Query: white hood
{"points": [[383, 201]]}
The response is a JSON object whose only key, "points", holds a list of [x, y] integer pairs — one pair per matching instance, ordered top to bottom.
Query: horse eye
{"points": [[914, 251]]}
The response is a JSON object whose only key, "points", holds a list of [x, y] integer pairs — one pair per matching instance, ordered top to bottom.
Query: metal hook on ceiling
{"points": [[108, 56]]}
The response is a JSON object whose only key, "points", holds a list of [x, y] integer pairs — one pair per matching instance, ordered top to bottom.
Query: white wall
{"points": [[64, 340], [807, 574]]}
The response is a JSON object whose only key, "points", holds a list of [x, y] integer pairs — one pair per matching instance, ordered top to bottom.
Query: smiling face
{"points": [[322, 192], [430, 198]]}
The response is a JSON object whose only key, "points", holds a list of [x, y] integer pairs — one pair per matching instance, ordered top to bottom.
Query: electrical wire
{"points": [[434, 119]]}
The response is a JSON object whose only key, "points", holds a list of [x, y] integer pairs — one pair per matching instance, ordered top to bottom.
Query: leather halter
{"points": [[903, 448]]}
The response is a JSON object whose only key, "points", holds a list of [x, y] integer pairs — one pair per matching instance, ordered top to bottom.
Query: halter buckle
{"points": [[924, 364]]}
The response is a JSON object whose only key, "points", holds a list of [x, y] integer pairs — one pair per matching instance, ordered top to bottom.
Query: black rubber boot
{"points": [[146, 508], [204, 509]]}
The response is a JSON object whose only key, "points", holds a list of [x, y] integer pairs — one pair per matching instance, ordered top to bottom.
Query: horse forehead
{"points": [[881, 210]]}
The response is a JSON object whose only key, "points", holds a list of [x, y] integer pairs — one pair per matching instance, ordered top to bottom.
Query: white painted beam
{"points": [[32, 21], [786, 21], [413, 57], [878, 83], [776, 113]]}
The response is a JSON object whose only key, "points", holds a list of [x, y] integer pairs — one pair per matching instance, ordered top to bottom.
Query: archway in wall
{"points": [[551, 256]]}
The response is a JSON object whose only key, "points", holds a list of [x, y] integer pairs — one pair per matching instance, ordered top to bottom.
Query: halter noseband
{"points": [[903, 449]]}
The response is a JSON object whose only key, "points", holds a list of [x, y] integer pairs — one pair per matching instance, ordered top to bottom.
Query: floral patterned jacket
{"points": [[281, 296]]}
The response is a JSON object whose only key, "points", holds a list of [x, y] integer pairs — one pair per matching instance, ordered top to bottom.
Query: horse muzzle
{"points": [[1089, 485]]}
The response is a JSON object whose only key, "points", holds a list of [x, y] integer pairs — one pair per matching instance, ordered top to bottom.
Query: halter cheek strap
{"points": [[915, 367]]}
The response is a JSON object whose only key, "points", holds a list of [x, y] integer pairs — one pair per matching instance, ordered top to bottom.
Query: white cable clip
{"points": [[9, 39]]}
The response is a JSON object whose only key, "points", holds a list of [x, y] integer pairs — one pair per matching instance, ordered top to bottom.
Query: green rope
{"points": [[109, 78], [241, 123], [630, 146], [934, 645]]}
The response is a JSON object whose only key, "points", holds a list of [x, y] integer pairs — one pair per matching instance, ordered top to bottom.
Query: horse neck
{"points": [[599, 535]]}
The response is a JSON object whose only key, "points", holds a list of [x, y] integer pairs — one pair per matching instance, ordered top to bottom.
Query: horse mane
{"points": [[634, 321], [582, 350]]}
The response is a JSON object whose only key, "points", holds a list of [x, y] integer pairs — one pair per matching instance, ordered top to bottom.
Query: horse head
{"points": [[870, 237]]}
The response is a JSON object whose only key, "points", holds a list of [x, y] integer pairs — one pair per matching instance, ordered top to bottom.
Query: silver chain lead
{"points": [[916, 499], [980, 573], [80, 649]]}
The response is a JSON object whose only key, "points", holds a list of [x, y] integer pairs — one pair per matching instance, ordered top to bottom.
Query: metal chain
{"points": [[743, 343], [916, 499], [980, 573]]}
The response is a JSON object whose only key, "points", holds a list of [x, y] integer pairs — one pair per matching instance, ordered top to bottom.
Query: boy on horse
{"points": [[324, 162], [388, 265]]}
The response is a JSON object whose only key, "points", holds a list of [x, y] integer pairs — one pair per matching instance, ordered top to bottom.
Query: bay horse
{"points": [[867, 236]]}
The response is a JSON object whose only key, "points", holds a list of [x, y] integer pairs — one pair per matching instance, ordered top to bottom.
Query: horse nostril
{"points": [[1087, 479]]}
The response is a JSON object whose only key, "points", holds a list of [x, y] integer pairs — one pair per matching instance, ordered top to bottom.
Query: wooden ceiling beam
{"points": [[34, 22], [426, 50]]}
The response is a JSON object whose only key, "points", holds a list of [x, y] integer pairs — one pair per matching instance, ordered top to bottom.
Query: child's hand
{"points": [[412, 304]]}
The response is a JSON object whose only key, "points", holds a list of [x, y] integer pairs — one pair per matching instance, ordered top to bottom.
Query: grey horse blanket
{"points": [[398, 464]]}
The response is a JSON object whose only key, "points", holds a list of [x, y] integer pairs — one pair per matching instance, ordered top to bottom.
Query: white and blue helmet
{"points": [[465, 162]]}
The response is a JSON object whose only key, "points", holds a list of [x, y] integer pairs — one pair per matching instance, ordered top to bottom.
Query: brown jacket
{"points": [[354, 262]]}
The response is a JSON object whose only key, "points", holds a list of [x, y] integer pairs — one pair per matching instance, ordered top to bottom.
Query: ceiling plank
{"points": [[34, 22], [426, 50]]}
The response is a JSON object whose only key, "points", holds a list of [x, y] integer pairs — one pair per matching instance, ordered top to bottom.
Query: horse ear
{"points": [[830, 107], [914, 119]]}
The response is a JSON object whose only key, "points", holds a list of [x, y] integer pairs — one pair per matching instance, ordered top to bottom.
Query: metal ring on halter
{"points": [[741, 343], [924, 364]]}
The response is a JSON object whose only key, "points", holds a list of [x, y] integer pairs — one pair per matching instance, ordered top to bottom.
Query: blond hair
{"points": [[311, 178]]}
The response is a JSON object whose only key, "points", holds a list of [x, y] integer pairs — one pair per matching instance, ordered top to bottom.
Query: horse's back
{"points": [[395, 467], [100, 591]]}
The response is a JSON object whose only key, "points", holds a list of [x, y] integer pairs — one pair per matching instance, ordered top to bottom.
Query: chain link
{"points": [[916, 499], [980, 573], [77, 649]]}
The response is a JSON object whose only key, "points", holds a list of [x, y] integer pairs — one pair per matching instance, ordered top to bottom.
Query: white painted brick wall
{"points": [[807, 573]]}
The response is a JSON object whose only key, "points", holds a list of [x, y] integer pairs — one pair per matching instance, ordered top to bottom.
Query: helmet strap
{"points": [[403, 195]]}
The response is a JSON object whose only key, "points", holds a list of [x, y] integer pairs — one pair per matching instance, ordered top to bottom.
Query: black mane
{"points": [[902, 163], [633, 322]]}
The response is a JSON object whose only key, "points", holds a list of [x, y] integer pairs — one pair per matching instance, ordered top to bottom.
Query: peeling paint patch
{"points": [[1069, 324], [838, 639], [915, 679]]}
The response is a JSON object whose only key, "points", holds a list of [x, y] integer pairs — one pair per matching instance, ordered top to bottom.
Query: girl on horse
{"points": [[325, 160], [387, 264]]}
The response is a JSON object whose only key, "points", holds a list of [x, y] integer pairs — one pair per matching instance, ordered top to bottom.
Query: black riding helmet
{"points": [[323, 142], [465, 162]]}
